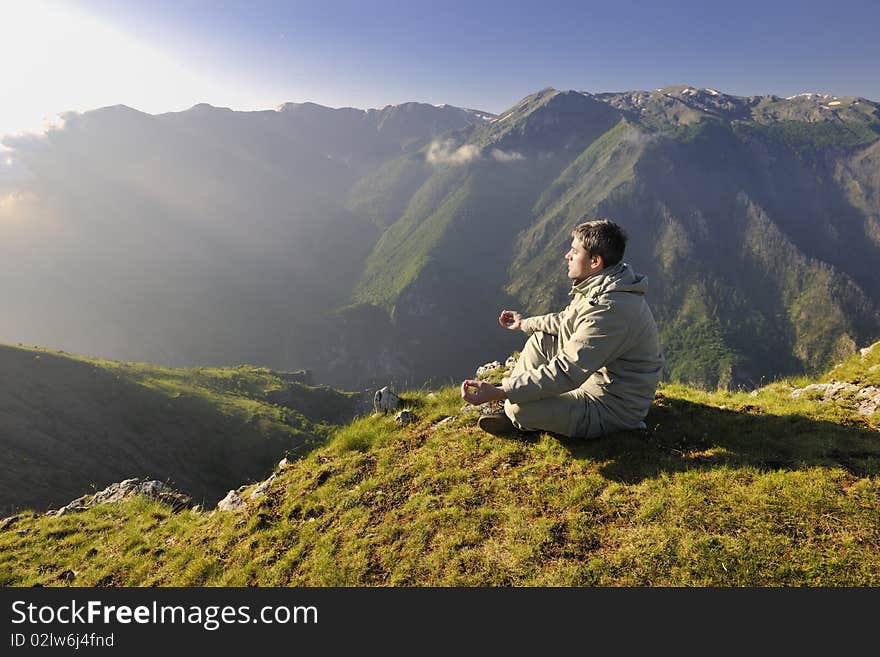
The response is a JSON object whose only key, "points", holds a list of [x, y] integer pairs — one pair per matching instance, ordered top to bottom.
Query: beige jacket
{"points": [[606, 344]]}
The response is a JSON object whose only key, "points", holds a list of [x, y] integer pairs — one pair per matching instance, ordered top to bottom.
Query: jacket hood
{"points": [[619, 278]]}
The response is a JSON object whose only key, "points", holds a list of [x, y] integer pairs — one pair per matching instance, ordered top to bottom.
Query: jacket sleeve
{"points": [[544, 323], [599, 337]]}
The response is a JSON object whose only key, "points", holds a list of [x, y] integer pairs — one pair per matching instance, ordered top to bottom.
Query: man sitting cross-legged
{"points": [[592, 368]]}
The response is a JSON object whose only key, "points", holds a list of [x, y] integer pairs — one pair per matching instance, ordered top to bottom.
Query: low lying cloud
{"points": [[637, 137], [444, 151], [506, 156]]}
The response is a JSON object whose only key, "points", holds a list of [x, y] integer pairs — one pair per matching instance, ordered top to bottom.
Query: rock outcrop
{"points": [[866, 399], [385, 400], [123, 490], [232, 502]]}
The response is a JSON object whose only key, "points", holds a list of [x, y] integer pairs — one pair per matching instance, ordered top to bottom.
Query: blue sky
{"points": [[169, 55]]}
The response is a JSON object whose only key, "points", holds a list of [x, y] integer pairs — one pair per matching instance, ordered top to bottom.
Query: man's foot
{"points": [[498, 424]]}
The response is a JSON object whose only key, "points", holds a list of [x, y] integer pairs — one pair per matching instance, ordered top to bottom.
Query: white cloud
{"points": [[637, 137], [443, 151], [506, 156]]}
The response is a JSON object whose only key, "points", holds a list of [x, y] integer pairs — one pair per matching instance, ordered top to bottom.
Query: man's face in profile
{"points": [[578, 261]]}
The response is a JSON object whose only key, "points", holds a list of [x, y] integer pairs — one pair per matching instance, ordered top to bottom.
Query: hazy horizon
{"points": [[160, 57]]}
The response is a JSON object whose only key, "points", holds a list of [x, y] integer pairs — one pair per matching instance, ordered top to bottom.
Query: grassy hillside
{"points": [[70, 423], [726, 488]]}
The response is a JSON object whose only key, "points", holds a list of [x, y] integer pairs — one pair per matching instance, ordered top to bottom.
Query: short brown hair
{"points": [[604, 238]]}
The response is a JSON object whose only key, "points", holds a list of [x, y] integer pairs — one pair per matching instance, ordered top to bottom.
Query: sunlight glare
{"points": [[55, 58]]}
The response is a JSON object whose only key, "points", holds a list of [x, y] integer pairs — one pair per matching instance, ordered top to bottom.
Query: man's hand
{"points": [[510, 319], [479, 392]]}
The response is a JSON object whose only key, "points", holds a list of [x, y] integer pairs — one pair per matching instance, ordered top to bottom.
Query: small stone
{"points": [[488, 367], [871, 395], [385, 400], [484, 409], [405, 416], [446, 420], [284, 464], [261, 490], [232, 502], [78, 505], [6, 523]]}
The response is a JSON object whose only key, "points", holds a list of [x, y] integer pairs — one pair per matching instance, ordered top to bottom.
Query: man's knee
{"points": [[515, 413], [565, 415], [534, 416]]}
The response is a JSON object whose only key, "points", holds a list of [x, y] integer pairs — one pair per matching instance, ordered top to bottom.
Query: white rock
{"points": [[488, 367], [828, 390], [871, 395], [385, 400], [482, 409], [122, 490], [261, 490], [232, 502]]}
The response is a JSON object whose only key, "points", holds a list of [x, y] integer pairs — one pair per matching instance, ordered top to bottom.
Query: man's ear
{"points": [[597, 262]]}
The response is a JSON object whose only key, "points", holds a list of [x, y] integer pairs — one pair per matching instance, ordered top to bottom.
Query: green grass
{"points": [[408, 245], [860, 369], [241, 390], [71, 424], [726, 489]]}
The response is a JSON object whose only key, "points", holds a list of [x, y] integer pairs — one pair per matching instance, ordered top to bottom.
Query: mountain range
{"points": [[378, 246]]}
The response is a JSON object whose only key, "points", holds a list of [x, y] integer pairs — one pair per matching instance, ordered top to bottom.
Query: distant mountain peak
{"points": [[812, 95], [203, 107], [293, 107]]}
